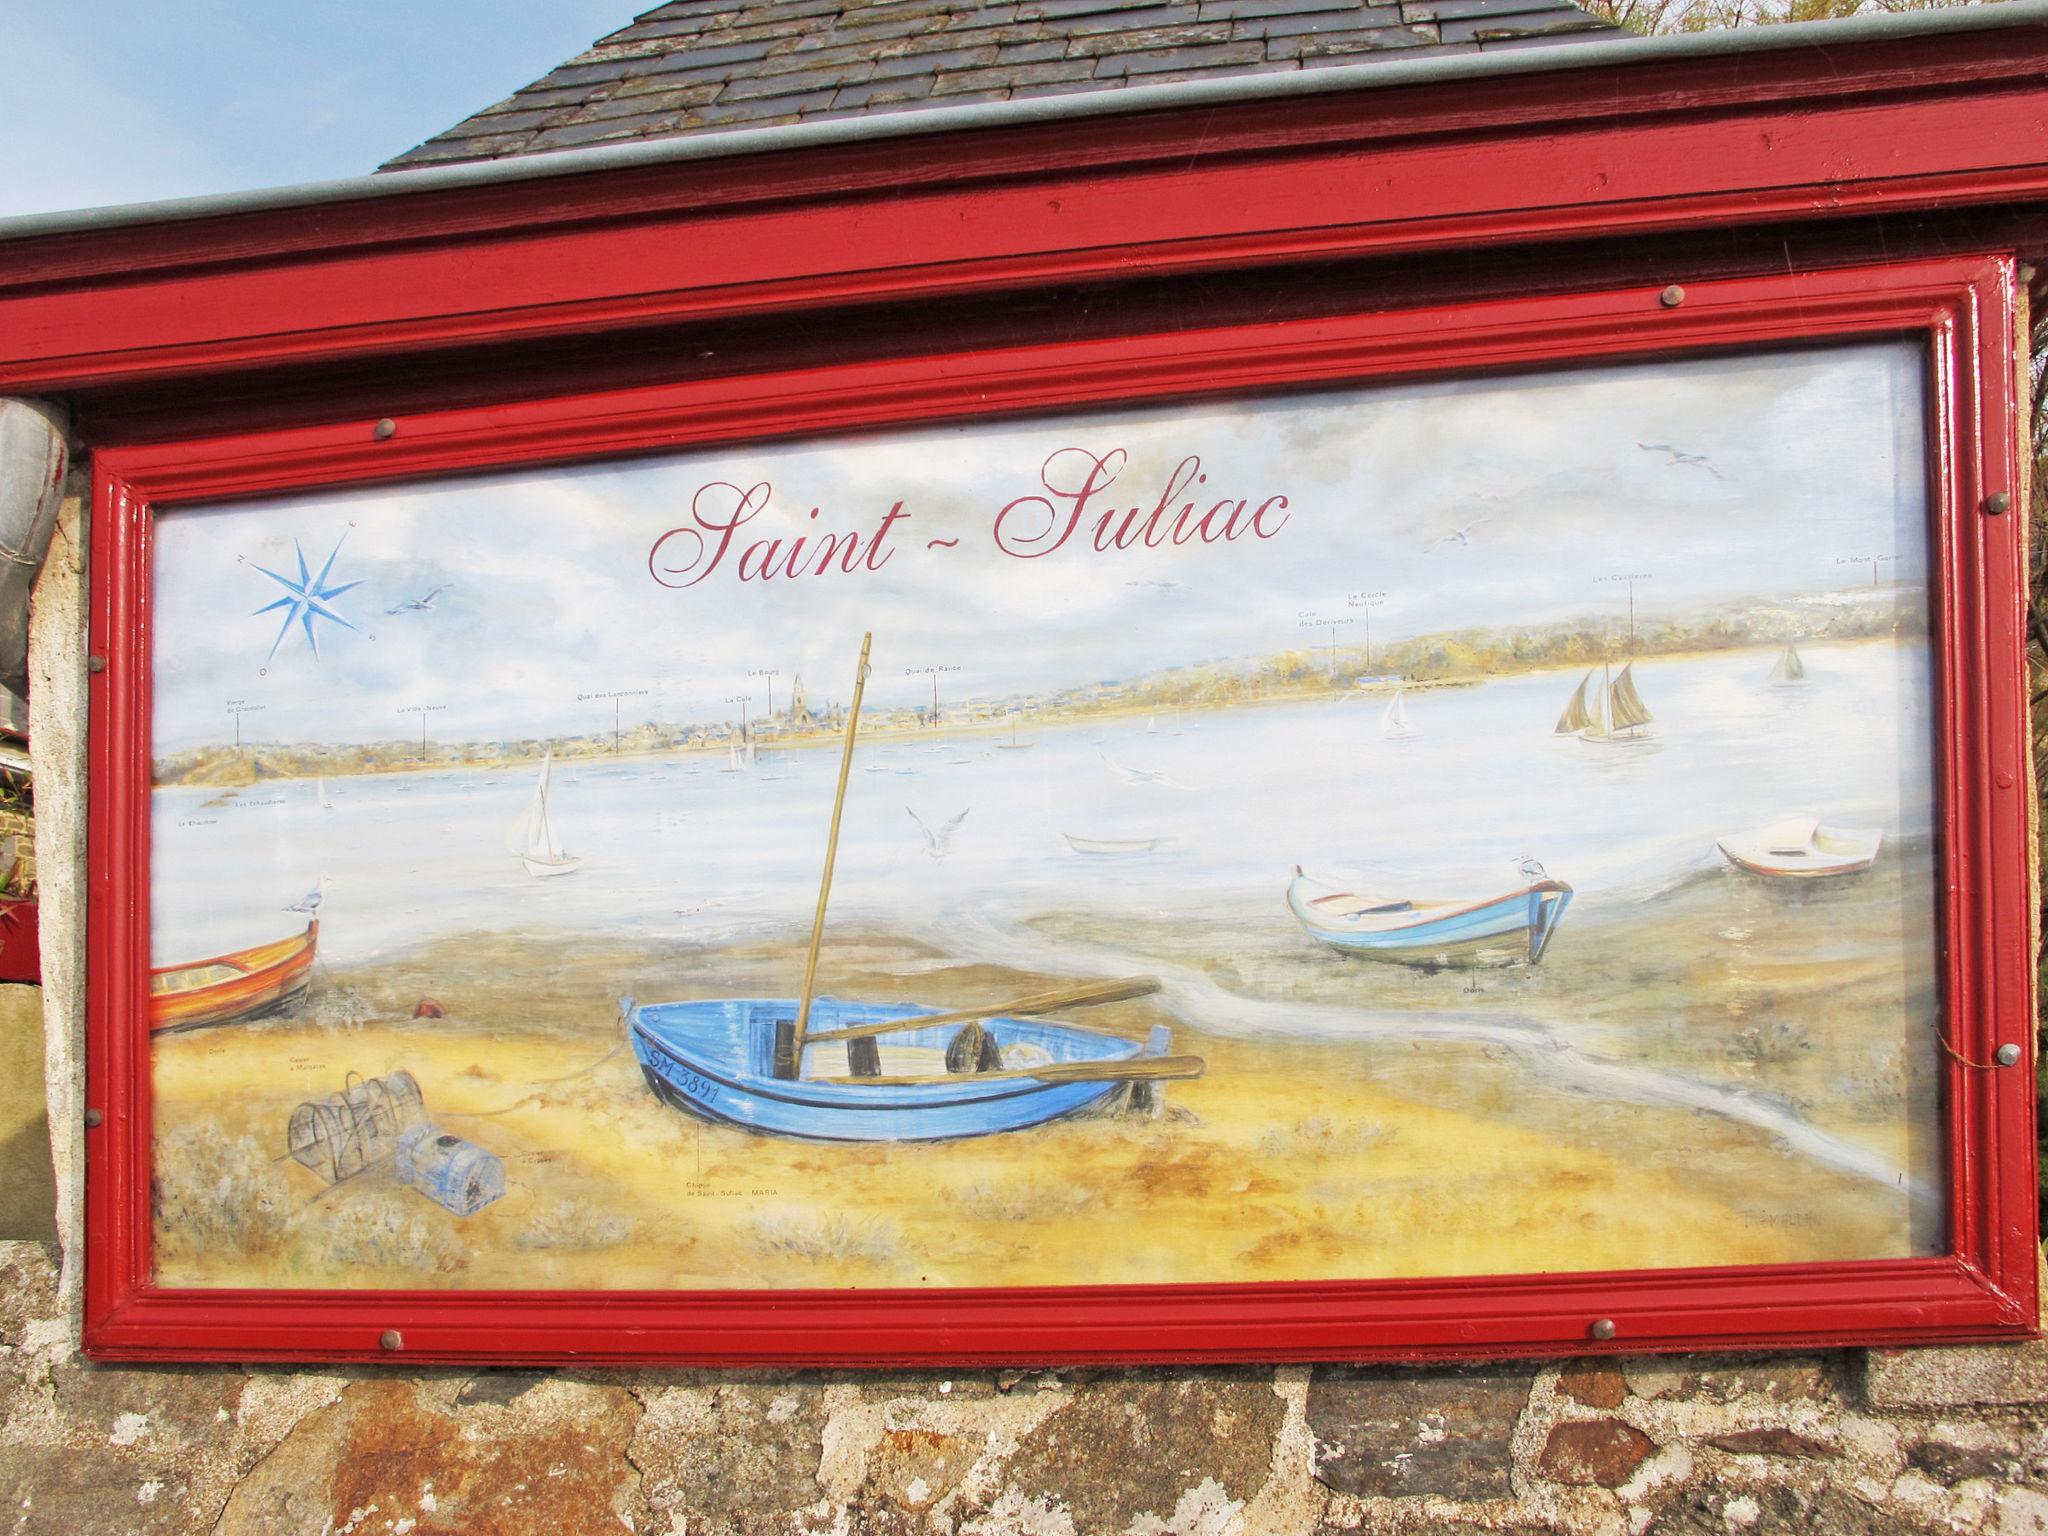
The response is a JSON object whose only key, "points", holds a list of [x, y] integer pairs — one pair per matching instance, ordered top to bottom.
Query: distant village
{"points": [[1453, 659]]}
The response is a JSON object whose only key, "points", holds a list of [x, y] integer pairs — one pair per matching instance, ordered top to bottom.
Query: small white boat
{"points": [[1394, 722], [1013, 744], [320, 788], [533, 838], [1110, 847], [1802, 849], [1512, 928]]}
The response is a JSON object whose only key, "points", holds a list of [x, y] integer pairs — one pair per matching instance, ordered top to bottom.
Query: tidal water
{"points": [[675, 847]]}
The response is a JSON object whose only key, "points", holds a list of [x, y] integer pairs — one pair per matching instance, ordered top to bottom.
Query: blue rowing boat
{"points": [[1510, 929], [716, 1059]]}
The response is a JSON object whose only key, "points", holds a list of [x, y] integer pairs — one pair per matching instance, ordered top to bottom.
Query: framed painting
{"points": [[1487, 830]]}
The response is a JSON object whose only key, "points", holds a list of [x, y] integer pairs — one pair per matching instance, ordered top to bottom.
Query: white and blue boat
{"points": [[1513, 928], [717, 1059]]}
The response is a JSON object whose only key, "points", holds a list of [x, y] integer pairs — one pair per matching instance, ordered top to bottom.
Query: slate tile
{"points": [[1033, 9], [1231, 10], [1130, 21], [1321, 21], [1473, 29], [1151, 38], [1345, 47], [1031, 53], [1351, 59], [1157, 62], [935, 63], [581, 74], [1002, 78], [748, 88], [880, 93], [644, 103], [571, 134]]}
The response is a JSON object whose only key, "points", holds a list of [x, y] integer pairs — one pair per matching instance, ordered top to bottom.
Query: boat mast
{"points": [[792, 1066]]}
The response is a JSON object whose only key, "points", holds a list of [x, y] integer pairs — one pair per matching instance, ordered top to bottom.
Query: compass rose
{"points": [[306, 599]]}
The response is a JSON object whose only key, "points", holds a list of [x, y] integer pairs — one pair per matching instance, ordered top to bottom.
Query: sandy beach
{"points": [[1497, 1122]]}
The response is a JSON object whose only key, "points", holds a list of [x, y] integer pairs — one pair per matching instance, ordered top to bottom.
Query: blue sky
{"points": [[120, 101], [547, 604]]}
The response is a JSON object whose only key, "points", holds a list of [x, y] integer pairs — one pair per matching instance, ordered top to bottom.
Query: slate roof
{"points": [[696, 65]]}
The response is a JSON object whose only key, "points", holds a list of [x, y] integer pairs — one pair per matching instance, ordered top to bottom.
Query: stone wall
{"points": [[1844, 1444]]}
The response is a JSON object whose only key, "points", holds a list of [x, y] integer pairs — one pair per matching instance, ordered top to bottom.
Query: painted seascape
{"points": [[1447, 829]]}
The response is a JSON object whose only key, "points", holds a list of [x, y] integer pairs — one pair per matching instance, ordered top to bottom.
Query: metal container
{"points": [[448, 1170]]}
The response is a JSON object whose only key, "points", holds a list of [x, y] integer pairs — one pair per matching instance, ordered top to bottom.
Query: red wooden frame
{"points": [[1936, 123], [1984, 1287]]}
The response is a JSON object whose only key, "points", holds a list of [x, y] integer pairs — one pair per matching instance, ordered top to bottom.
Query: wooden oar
{"points": [[1037, 1002], [790, 1064], [1134, 1069]]}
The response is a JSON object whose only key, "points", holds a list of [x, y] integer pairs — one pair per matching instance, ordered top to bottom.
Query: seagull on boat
{"points": [[1680, 459], [1461, 536], [419, 604], [1143, 775], [940, 843], [1533, 870], [310, 902]]}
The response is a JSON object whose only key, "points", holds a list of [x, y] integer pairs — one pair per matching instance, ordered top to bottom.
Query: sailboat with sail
{"points": [[1789, 668], [1609, 712], [1394, 722], [320, 792], [532, 837], [827, 1069]]}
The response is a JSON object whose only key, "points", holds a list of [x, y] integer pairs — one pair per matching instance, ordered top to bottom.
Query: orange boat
{"points": [[230, 987]]}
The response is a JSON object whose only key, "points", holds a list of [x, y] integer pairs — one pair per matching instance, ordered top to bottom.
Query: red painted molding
{"points": [[1794, 135], [1982, 1287]]}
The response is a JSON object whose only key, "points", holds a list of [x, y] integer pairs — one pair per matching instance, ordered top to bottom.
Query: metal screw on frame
{"points": [[1672, 297], [384, 429], [1998, 502], [95, 663], [2007, 1055], [92, 1119], [1603, 1328], [390, 1339]]}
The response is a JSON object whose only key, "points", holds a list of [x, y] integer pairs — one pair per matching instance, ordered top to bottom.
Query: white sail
{"points": [[1790, 669], [1617, 713], [1394, 722], [320, 787], [532, 836]]}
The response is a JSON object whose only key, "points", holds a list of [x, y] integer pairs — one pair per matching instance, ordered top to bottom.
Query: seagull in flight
{"points": [[1680, 459], [1461, 536], [1164, 586], [419, 604], [1132, 775], [940, 843], [310, 902]]}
